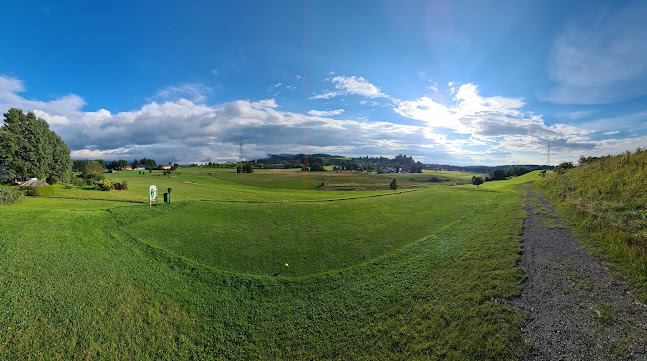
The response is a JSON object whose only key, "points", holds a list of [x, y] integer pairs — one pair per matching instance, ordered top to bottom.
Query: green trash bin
{"points": [[167, 198]]}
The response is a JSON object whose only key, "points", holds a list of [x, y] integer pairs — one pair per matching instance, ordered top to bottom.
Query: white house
{"points": [[167, 166]]}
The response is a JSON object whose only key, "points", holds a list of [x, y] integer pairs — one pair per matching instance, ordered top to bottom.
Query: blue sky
{"points": [[473, 82]]}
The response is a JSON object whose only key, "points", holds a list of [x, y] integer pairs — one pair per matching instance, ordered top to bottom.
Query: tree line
{"points": [[79, 165]]}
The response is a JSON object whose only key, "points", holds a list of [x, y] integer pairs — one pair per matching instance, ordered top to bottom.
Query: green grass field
{"points": [[372, 274]]}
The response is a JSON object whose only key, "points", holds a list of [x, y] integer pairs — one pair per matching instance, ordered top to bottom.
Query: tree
{"points": [[30, 148], [316, 167], [247, 168], [93, 170], [498, 174], [477, 180], [394, 185]]}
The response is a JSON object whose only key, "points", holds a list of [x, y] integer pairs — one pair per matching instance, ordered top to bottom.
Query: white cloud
{"points": [[600, 57], [215, 72], [278, 85], [352, 85], [358, 86], [193, 92], [324, 95], [63, 106], [323, 113], [576, 114], [495, 121], [631, 121], [195, 131], [612, 132]]}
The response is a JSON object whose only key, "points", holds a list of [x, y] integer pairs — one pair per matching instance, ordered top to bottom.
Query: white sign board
{"points": [[152, 192]]}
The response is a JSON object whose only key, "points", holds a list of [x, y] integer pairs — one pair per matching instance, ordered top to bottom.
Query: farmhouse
{"points": [[166, 166], [127, 167], [140, 167]]}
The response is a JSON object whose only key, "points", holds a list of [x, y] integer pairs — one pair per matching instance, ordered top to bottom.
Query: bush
{"points": [[247, 168], [317, 168], [104, 185], [394, 185], [121, 186], [42, 191], [11, 195]]}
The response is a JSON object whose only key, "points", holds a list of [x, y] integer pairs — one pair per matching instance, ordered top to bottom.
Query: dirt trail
{"points": [[576, 310]]}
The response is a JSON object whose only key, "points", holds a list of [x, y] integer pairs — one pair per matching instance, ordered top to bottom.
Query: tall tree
{"points": [[30, 148]]}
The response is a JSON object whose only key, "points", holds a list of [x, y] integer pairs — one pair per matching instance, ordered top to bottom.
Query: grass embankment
{"points": [[606, 199], [312, 237], [76, 284]]}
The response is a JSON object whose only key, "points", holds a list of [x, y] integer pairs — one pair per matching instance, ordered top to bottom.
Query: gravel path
{"points": [[576, 311]]}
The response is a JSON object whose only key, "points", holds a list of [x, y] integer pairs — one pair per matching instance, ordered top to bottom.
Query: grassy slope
{"points": [[201, 186], [607, 201], [311, 237], [76, 286]]}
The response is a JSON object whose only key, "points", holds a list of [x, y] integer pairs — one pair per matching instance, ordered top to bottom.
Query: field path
{"points": [[576, 310]]}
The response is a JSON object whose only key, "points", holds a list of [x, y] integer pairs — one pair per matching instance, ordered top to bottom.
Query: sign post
{"points": [[152, 192]]}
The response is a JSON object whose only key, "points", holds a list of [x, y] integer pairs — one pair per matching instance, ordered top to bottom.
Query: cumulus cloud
{"points": [[600, 57], [352, 85], [323, 113], [496, 121], [474, 129], [196, 132]]}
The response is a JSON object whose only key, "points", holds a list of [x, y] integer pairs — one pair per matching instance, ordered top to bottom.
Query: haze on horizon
{"points": [[458, 83]]}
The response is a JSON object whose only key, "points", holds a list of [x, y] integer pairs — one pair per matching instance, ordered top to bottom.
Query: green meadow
{"points": [[264, 266]]}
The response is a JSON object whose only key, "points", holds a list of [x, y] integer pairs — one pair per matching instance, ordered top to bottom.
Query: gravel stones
{"points": [[576, 310]]}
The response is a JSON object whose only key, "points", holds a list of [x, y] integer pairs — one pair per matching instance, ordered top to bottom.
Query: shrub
{"points": [[247, 168], [317, 168], [477, 180], [104, 185], [394, 185], [120, 186], [42, 191], [10, 195]]}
